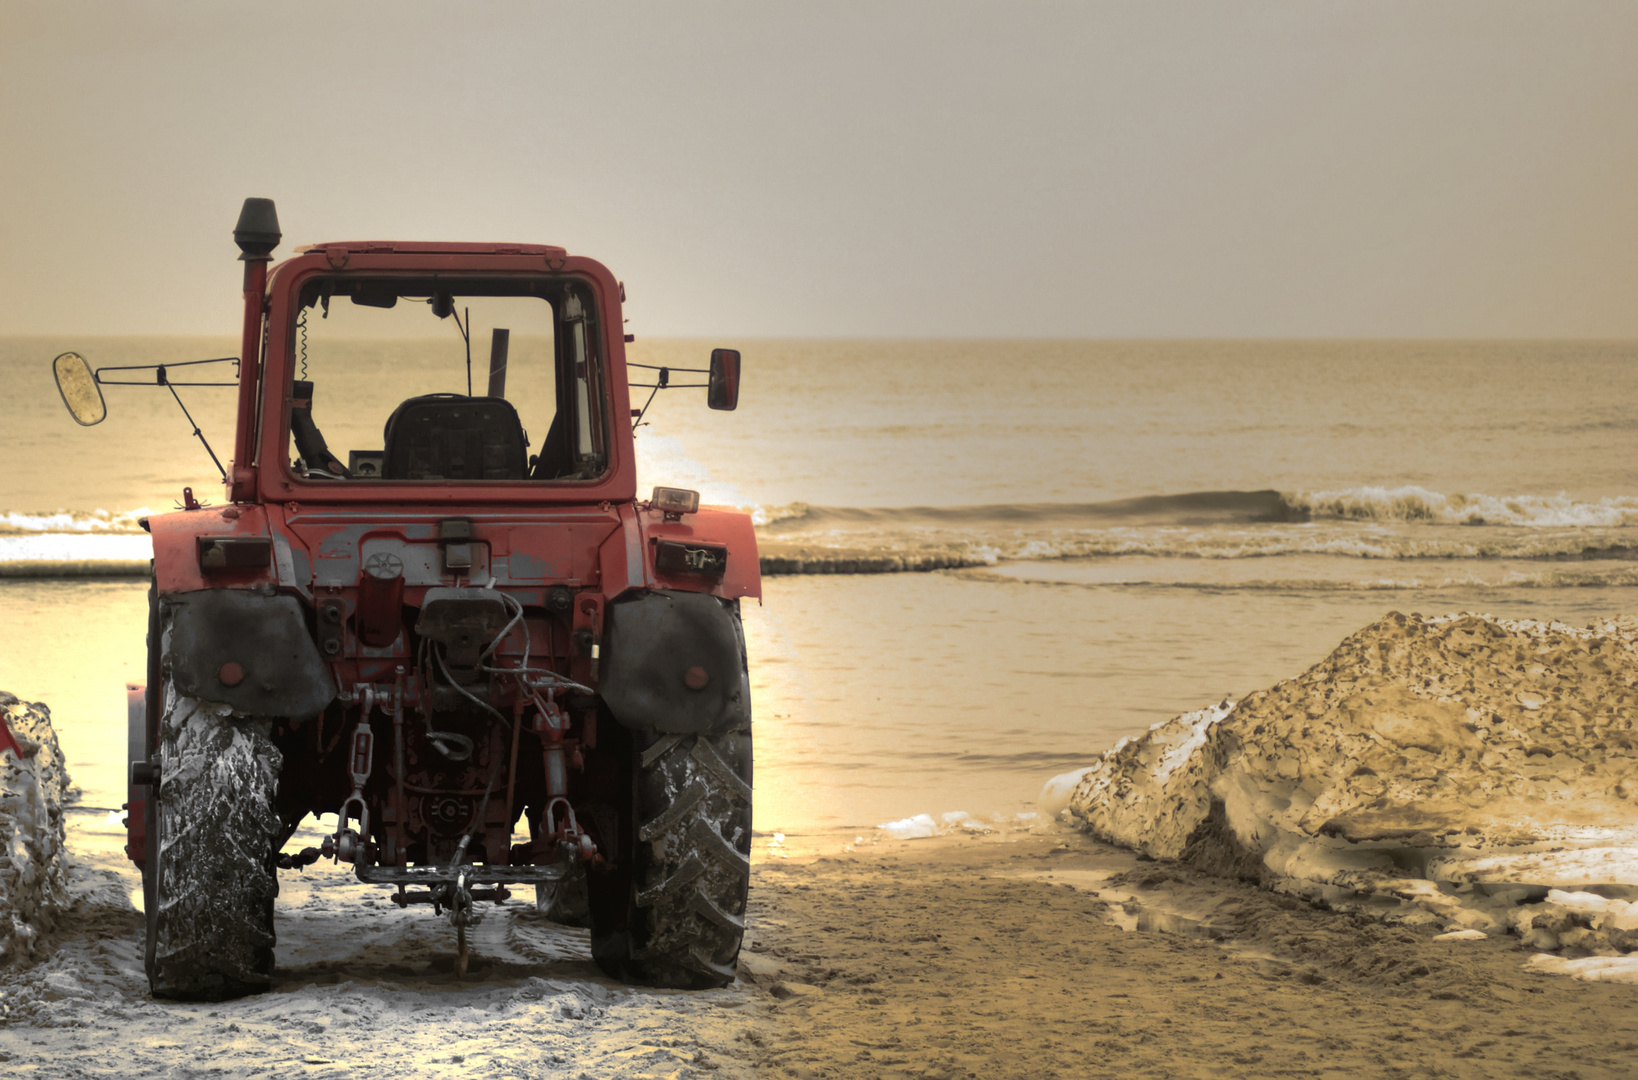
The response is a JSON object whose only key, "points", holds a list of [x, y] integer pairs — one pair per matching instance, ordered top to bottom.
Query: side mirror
{"points": [[78, 386], [722, 392]]}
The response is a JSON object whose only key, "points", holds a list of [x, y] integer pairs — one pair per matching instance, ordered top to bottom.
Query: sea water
{"points": [[1068, 541]]}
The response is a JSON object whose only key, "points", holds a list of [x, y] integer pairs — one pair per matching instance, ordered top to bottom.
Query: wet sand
{"points": [[982, 956], [977, 957]]}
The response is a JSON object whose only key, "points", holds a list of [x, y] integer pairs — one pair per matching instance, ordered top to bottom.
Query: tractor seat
{"points": [[454, 437]]}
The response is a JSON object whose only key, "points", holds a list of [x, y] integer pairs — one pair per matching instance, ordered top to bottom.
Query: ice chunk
{"points": [[1445, 769], [1054, 797], [911, 828], [33, 867], [1616, 969]]}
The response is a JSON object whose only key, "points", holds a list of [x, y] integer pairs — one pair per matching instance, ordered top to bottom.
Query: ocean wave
{"points": [[1403, 505], [1408, 505], [1415, 505], [1200, 507], [72, 522], [931, 550], [867, 563], [21, 569], [1603, 578]]}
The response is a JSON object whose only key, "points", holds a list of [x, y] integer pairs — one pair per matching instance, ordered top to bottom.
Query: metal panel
{"points": [[674, 662], [279, 671]]}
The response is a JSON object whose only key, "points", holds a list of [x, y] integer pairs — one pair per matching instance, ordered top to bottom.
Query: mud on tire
{"points": [[690, 869], [210, 908]]}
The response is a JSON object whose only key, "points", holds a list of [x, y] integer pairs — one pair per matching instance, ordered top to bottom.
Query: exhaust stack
{"points": [[257, 234]]}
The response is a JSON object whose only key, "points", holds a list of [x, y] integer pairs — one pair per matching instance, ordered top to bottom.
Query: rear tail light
{"points": [[235, 552], [676, 557]]}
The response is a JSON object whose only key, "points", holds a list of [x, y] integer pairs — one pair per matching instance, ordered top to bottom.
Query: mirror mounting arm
{"points": [[663, 382], [197, 433]]}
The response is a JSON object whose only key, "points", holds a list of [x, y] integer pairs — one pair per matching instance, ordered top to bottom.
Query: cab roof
{"points": [[435, 247]]}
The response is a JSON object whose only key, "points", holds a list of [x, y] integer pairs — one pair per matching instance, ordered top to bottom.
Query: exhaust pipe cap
{"points": [[257, 232]]}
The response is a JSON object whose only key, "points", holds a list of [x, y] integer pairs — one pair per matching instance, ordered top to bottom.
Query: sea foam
{"points": [[1416, 504]]}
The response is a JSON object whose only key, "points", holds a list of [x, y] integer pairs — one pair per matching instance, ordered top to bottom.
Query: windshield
{"points": [[406, 379]]}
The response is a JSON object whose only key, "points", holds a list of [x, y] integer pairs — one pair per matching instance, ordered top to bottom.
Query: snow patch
{"points": [[1462, 771], [1054, 797], [923, 826], [911, 828], [33, 864], [1615, 969]]}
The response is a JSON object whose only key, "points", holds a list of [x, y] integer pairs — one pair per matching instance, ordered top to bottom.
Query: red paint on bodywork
{"points": [[241, 478], [714, 525], [176, 548]]}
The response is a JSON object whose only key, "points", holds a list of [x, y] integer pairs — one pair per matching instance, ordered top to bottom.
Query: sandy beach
{"points": [[1000, 947], [983, 955]]}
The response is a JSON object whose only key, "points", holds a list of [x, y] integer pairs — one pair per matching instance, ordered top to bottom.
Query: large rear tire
{"points": [[211, 884], [677, 915]]}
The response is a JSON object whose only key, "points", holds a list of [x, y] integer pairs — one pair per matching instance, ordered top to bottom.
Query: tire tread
{"points": [[693, 864], [211, 922]]}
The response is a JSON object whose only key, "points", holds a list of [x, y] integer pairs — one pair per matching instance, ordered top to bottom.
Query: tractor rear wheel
{"points": [[210, 854], [676, 915]]}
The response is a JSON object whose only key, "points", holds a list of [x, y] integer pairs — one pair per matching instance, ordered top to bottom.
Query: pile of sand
{"points": [[1471, 772], [33, 788]]}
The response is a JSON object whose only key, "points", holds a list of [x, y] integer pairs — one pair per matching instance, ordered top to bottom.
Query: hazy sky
{"points": [[834, 169]]}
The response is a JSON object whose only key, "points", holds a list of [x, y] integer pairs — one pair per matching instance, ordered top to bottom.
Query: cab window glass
{"points": [[400, 379]]}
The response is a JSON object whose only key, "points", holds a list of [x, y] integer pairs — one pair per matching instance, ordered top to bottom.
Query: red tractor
{"points": [[491, 661]]}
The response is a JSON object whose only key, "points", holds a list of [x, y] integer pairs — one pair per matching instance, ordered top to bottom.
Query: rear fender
{"points": [[248, 650], [674, 662]]}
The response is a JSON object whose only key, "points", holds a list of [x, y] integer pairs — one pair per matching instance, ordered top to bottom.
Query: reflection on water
{"points": [[877, 696], [882, 696]]}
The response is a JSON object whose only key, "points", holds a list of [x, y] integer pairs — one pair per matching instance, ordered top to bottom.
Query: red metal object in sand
{"points": [[7, 742]]}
